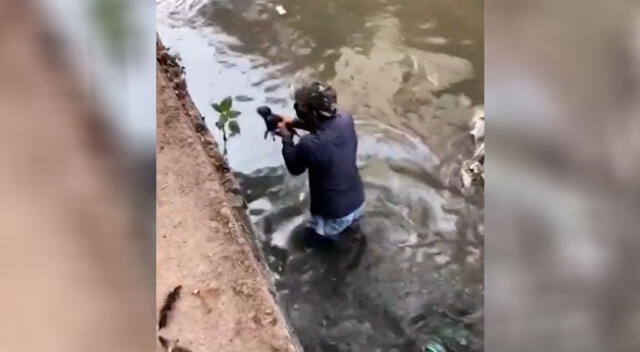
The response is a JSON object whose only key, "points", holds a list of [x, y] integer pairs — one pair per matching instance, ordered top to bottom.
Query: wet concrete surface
{"points": [[412, 74]]}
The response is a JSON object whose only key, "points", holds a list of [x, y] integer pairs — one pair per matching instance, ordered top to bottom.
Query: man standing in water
{"points": [[328, 152]]}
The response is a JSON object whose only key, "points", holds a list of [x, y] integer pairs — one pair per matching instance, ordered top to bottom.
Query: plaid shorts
{"points": [[333, 227]]}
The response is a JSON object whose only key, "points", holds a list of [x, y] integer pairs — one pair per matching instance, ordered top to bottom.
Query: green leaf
{"points": [[226, 104], [216, 107], [233, 114], [220, 124], [234, 128]]}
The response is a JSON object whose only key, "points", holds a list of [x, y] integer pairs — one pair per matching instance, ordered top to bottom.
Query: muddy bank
{"points": [[204, 240]]}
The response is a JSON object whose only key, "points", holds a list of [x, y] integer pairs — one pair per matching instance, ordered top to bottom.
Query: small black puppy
{"points": [[271, 121]]}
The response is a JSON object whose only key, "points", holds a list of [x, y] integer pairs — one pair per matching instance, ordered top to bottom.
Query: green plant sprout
{"points": [[227, 122]]}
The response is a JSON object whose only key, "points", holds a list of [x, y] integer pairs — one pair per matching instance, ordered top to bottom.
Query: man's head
{"points": [[315, 102]]}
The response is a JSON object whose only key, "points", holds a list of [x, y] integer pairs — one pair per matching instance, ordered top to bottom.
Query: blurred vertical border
{"points": [[77, 175], [563, 175]]}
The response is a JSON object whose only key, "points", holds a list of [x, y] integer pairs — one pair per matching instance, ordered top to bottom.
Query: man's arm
{"points": [[296, 123], [300, 124], [296, 157]]}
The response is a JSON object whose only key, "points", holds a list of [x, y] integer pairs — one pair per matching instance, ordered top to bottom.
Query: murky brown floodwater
{"points": [[412, 73]]}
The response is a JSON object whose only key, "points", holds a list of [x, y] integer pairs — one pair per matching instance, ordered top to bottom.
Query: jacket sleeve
{"points": [[296, 157]]}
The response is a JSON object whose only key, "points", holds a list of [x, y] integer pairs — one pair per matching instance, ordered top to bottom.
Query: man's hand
{"points": [[284, 127]]}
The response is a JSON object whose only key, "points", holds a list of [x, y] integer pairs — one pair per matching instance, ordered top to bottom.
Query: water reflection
{"points": [[294, 39], [422, 265]]}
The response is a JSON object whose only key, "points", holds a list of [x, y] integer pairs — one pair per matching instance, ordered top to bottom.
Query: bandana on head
{"points": [[318, 98]]}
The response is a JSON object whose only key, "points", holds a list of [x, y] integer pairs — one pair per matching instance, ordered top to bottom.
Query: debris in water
{"points": [[281, 11], [428, 25], [436, 40], [414, 61], [434, 79], [477, 125], [479, 153], [471, 172], [441, 259], [196, 292], [169, 301], [434, 346]]}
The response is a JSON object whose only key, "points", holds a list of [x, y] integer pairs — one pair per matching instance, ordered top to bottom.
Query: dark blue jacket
{"points": [[329, 154]]}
